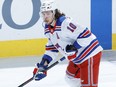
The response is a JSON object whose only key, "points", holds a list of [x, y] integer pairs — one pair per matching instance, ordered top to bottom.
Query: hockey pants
{"points": [[84, 74]]}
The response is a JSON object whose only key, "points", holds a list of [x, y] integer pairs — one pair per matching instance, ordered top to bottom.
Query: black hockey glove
{"points": [[70, 48], [71, 51]]}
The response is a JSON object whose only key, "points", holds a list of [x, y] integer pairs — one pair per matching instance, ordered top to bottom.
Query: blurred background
{"points": [[22, 40]]}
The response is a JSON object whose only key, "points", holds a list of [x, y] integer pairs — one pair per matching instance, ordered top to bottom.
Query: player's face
{"points": [[48, 16]]}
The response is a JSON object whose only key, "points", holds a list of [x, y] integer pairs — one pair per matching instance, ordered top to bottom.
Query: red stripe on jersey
{"points": [[87, 32], [50, 48], [88, 50]]}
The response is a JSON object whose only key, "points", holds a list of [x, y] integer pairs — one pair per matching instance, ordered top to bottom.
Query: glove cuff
{"points": [[72, 56], [46, 58], [35, 71]]}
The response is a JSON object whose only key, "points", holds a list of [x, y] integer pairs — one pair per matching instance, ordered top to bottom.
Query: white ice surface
{"points": [[13, 77]]}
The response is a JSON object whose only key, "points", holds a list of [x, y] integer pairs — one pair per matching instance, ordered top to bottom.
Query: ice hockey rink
{"points": [[15, 71]]}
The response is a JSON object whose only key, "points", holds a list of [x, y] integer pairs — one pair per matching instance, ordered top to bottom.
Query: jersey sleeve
{"points": [[80, 36], [50, 51]]}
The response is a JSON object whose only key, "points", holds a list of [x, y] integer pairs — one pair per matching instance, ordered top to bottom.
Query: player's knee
{"points": [[73, 82]]}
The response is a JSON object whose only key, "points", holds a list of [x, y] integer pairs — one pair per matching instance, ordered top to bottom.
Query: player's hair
{"points": [[58, 14]]}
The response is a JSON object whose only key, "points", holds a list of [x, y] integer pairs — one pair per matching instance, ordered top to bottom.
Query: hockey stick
{"points": [[55, 63]]}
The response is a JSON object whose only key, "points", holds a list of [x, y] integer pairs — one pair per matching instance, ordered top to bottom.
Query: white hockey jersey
{"points": [[68, 32]]}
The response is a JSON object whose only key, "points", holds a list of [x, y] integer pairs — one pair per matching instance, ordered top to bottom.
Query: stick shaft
{"points": [[29, 80], [26, 82]]}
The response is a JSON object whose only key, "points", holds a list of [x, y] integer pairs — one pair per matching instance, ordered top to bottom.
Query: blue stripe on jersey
{"points": [[59, 29], [46, 30], [86, 33], [49, 45], [51, 48], [54, 50], [87, 51]]}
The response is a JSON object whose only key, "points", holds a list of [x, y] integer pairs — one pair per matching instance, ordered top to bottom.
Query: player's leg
{"points": [[89, 71], [73, 75]]}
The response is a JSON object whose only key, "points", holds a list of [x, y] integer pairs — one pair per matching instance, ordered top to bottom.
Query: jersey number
{"points": [[71, 27]]}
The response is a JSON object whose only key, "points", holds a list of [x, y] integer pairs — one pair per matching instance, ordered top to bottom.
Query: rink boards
{"points": [[21, 31], [22, 47], [27, 47]]}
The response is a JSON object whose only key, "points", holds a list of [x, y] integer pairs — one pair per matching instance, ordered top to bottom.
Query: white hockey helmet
{"points": [[48, 5]]}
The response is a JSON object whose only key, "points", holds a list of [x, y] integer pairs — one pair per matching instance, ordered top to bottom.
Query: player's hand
{"points": [[70, 48], [71, 52], [39, 72]]}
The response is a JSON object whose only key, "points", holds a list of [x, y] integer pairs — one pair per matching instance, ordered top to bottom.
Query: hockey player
{"points": [[77, 43]]}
